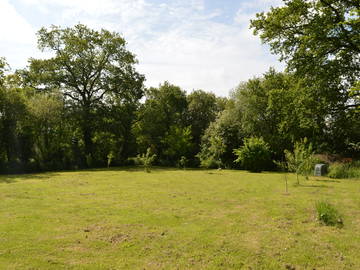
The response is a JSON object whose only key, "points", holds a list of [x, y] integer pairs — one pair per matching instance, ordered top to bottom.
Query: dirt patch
{"points": [[119, 238]]}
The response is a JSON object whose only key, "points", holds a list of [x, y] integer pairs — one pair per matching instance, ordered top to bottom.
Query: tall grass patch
{"points": [[345, 170], [328, 214]]}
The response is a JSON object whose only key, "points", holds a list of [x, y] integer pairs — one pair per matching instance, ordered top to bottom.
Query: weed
{"points": [[328, 214]]}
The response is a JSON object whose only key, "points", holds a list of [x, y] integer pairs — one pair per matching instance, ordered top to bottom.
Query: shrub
{"points": [[177, 142], [210, 155], [255, 155], [146, 160], [183, 162], [210, 162], [345, 170], [328, 214]]}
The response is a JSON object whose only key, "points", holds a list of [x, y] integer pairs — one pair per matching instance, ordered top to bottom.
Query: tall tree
{"points": [[317, 38], [320, 40], [3, 66], [88, 67], [164, 107], [202, 109], [12, 115], [221, 138]]}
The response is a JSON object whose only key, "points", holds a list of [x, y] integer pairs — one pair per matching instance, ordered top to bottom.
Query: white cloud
{"points": [[248, 10], [13, 28], [17, 37], [176, 40], [198, 53], [216, 60]]}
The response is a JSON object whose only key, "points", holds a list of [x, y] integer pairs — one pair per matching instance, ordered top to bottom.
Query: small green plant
{"points": [[255, 155], [110, 157], [146, 160], [301, 161], [183, 162], [328, 214]]}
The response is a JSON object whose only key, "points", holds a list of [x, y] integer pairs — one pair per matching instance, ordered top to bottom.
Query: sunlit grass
{"points": [[174, 219]]}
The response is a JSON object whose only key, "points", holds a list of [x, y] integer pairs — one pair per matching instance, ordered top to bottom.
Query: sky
{"points": [[195, 44]]}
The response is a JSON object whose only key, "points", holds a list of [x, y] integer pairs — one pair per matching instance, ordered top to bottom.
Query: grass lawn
{"points": [[174, 219]]}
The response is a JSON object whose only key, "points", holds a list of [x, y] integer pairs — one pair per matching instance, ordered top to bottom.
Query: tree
{"points": [[314, 36], [320, 41], [3, 67], [88, 67], [164, 107], [268, 107], [202, 109], [12, 115], [50, 133], [220, 138], [178, 143], [301, 160]]}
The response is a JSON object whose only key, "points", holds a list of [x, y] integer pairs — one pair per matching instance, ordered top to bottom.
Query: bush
{"points": [[211, 152], [255, 155], [146, 160], [210, 162], [345, 170], [328, 215]]}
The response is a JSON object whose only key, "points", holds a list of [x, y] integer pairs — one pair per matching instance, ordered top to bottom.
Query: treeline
{"points": [[87, 106]]}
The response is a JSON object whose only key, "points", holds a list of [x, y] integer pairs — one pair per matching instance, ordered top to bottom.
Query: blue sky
{"points": [[196, 44]]}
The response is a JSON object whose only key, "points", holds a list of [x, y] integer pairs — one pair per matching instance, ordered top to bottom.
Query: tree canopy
{"points": [[319, 40], [90, 68], [86, 105]]}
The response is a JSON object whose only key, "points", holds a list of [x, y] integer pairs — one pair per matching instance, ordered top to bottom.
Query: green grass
{"points": [[174, 219]]}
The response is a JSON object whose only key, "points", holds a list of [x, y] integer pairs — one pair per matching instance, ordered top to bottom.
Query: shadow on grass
{"points": [[130, 169], [139, 169], [13, 178], [327, 181], [313, 186]]}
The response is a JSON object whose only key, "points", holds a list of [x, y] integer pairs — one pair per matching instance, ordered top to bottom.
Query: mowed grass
{"points": [[174, 219]]}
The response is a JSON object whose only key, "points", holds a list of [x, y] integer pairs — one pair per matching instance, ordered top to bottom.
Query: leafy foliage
{"points": [[316, 38], [319, 40], [89, 68], [83, 105], [165, 107], [202, 109], [219, 140], [177, 142], [255, 155], [146, 159], [301, 160], [183, 162], [345, 170]]}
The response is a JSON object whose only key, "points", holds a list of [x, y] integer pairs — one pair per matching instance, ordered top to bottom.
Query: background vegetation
{"points": [[86, 106]]}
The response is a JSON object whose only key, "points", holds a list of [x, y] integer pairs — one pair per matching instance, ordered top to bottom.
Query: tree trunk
{"points": [[87, 134]]}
